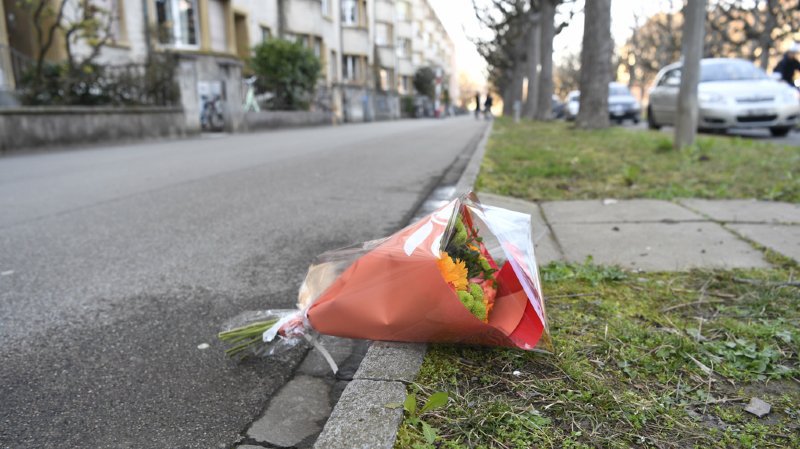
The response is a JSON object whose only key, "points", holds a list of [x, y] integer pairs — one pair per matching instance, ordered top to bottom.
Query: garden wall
{"points": [[281, 119], [31, 127]]}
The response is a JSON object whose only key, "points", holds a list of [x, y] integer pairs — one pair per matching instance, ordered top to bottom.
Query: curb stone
{"points": [[360, 418]]}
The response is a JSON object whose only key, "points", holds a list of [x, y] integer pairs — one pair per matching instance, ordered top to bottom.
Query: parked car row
{"points": [[732, 93], [621, 104]]}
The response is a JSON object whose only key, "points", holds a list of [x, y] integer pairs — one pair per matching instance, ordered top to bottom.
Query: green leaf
{"points": [[436, 400], [410, 404], [393, 405], [428, 432]]}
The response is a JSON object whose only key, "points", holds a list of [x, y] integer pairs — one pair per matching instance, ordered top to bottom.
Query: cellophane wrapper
{"points": [[391, 289]]}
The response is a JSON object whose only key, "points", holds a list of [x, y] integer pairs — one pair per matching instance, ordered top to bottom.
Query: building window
{"points": [[325, 6], [403, 10], [349, 12], [354, 12], [115, 20], [177, 22], [266, 34], [383, 34], [317, 47], [403, 47], [332, 66], [350, 69], [386, 79], [403, 84]]}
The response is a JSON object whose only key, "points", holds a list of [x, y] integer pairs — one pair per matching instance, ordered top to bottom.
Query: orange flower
{"points": [[454, 272]]}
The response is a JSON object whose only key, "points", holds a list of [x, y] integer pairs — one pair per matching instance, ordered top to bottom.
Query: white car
{"points": [[732, 93], [573, 104], [621, 104]]}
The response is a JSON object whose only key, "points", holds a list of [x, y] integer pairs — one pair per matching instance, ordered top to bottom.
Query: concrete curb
{"points": [[360, 418]]}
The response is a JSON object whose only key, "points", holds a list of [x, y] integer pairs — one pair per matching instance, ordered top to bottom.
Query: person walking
{"points": [[789, 64], [477, 105], [487, 107]]}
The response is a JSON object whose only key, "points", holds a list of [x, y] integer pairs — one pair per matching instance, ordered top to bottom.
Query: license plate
{"points": [[618, 110], [758, 112]]}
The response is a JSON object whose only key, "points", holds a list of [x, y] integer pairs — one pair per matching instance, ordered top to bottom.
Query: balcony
{"points": [[355, 41]]}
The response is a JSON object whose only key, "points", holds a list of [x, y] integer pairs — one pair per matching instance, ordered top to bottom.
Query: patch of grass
{"points": [[554, 161], [646, 360]]}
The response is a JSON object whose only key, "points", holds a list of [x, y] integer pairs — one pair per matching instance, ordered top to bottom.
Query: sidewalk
{"points": [[646, 235], [655, 235]]}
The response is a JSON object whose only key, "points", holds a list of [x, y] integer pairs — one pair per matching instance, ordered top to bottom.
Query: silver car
{"points": [[733, 93], [621, 104]]}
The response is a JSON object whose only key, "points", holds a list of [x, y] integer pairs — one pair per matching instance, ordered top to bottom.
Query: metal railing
{"points": [[135, 84]]}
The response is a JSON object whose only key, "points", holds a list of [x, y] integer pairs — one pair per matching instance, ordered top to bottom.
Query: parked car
{"points": [[732, 93], [573, 104], [621, 104], [558, 108]]}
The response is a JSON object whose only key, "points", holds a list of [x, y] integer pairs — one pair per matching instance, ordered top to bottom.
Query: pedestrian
{"points": [[789, 64], [477, 105], [487, 107]]}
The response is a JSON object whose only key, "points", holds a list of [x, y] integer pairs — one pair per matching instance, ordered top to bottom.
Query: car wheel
{"points": [[636, 120], [651, 121], [780, 131]]}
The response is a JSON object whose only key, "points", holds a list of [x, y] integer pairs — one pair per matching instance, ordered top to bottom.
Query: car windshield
{"points": [[730, 71], [620, 91]]}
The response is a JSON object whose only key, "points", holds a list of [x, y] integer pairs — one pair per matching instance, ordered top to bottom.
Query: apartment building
{"points": [[369, 49]]}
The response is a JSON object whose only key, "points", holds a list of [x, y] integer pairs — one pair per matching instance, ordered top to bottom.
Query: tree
{"points": [[78, 22], [750, 29], [548, 30], [693, 30], [505, 52], [533, 57], [595, 65], [288, 70], [567, 76], [425, 82]]}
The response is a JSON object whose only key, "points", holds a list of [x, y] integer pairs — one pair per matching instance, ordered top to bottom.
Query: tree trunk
{"points": [[693, 31], [765, 39], [532, 50], [595, 65], [514, 90], [544, 111]]}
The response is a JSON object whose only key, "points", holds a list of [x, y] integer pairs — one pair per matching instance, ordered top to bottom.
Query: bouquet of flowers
{"points": [[464, 274]]}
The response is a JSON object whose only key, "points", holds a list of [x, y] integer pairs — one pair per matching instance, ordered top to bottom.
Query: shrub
{"points": [[287, 70], [424, 82]]}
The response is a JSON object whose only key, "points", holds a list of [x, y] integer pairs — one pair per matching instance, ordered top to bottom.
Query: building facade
{"points": [[369, 49]]}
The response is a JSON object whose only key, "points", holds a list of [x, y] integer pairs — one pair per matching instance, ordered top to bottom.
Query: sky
{"points": [[458, 17]]}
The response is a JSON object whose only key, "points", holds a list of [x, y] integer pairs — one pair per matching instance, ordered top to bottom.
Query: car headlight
{"points": [[791, 96], [710, 97]]}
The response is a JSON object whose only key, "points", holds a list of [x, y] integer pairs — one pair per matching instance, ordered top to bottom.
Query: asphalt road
{"points": [[117, 262]]}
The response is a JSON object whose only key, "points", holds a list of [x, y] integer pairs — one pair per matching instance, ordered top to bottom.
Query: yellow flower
{"points": [[454, 272]]}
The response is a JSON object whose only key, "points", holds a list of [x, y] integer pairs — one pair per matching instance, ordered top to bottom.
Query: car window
{"points": [[731, 71], [671, 78], [621, 91]]}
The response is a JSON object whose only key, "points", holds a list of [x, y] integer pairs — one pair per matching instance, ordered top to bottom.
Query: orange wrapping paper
{"points": [[395, 291]]}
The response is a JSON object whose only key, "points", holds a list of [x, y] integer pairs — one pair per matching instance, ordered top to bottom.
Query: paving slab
{"points": [[608, 211], [748, 211], [784, 239], [657, 246], [545, 247], [392, 361], [294, 414], [361, 419]]}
